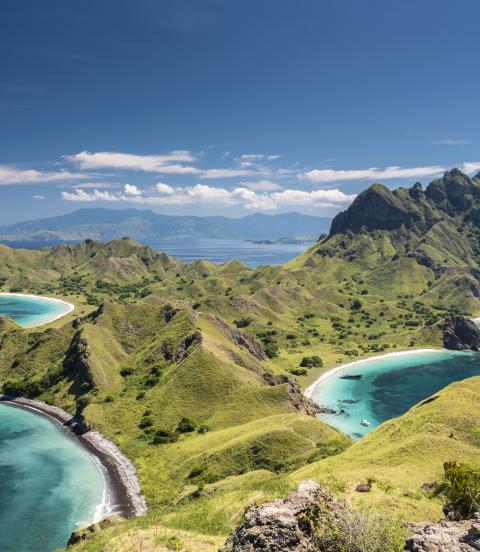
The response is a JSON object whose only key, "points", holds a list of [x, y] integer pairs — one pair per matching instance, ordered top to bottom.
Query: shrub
{"points": [[356, 304], [243, 322], [271, 349], [310, 362], [298, 371], [83, 402], [145, 422], [186, 425], [163, 436], [461, 490], [359, 532]]}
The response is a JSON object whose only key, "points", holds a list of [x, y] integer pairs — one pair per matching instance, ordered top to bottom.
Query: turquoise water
{"points": [[29, 311], [390, 386], [50, 484]]}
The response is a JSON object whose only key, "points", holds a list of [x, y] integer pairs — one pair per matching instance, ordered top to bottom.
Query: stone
{"points": [[284, 524]]}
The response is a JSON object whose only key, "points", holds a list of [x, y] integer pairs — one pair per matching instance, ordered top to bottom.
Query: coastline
{"points": [[70, 306], [311, 388], [122, 493]]}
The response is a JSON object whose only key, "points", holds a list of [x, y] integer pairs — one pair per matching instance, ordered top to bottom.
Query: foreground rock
{"points": [[460, 334], [284, 524], [445, 536]]}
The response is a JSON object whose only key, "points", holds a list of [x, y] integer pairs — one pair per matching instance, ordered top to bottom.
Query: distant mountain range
{"points": [[146, 225]]}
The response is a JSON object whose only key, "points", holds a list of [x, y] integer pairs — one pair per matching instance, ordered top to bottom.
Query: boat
{"points": [[351, 376], [365, 423]]}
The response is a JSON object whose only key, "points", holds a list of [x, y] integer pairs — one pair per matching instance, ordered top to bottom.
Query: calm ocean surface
{"points": [[216, 251], [30, 311], [390, 386], [50, 485]]}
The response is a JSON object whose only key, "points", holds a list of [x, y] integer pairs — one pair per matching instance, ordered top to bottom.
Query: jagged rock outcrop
{"points": [[90, 317], [460, 334], [242, 340], [187, 346], [76, 363], [297, 398], [284, 524], [86, 532], [445, 536]]}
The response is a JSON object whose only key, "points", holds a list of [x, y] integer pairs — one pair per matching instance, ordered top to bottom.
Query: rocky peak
{"points": [[454, 192], [378, 208]]}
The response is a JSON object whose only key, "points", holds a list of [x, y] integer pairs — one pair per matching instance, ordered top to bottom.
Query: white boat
{"points": [[365, 423]]}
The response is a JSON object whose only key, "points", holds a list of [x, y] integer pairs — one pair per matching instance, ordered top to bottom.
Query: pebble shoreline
{"points": [[122, 482]]}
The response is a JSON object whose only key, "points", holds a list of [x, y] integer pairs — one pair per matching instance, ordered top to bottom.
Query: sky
{"points": [[231, 106]]}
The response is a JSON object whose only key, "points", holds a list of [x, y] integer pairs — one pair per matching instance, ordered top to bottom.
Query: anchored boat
{"points": [[351, 376]]}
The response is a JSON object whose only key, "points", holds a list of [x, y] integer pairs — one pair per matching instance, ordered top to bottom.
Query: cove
{"points": [[30, 310], [390, 385], [51, 485]]}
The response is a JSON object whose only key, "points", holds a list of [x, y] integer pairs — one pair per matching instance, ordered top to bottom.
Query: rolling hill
{"points": [[160, 341]]}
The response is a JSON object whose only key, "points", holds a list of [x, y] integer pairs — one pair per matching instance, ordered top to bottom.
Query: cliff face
{"points": [[461, 334]]}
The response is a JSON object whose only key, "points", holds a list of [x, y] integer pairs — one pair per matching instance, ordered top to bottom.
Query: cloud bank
{"points": [[201, 194]]}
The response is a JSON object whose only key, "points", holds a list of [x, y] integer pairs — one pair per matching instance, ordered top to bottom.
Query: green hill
{"points": [[194, 369]]}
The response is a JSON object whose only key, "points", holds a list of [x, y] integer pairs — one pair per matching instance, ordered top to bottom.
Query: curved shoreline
{"points": [[70, 306], [311, 388], [122, 490]]}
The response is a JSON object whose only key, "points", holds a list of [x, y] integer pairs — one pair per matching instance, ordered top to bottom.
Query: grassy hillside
{"points": [[195, 369], [406, 452]]}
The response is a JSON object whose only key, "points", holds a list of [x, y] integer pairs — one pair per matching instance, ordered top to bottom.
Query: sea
{"points": [[213, 250], [50, 484]]}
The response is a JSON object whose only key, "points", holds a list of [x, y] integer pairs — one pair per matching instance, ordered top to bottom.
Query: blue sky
{"points": [[231, 107]]}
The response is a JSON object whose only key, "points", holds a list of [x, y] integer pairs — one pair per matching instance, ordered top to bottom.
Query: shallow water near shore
{"points": [[29, 311], [390, 386], [50, 484]]}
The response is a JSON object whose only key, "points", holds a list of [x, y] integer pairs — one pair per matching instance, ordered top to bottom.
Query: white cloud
{"points": [[450, 142], [259, 157], [251, 159], [170, 163], [471, 167], [227, 173], [373, 173], [11, 175], [98, 185], [262, 186], [162, 188], [131, 190], [201, 194], [96, 195], [38, 197], [300, 197]]}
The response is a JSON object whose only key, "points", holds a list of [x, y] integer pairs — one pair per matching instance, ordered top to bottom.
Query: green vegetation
{"points": [[196, 370], [461, 490], [364, 531]]}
